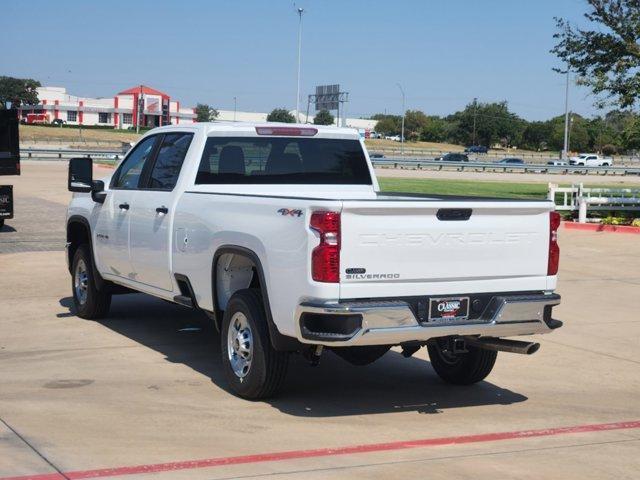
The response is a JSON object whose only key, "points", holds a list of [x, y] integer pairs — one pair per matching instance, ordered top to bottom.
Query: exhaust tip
{"points": [[533, 348]]}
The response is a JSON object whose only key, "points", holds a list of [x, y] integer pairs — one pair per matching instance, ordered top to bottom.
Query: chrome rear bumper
{"points": [[394, 322]]}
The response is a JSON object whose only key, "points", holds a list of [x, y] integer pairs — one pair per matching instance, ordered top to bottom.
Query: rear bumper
{"points": [[392, 322]]}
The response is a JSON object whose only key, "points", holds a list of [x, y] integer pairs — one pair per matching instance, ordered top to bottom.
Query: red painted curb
{"points": [[597, 227], [326, 452]]}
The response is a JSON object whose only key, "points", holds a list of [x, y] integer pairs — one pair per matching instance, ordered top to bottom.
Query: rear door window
{"points": [[171, 153], [282, 160]]}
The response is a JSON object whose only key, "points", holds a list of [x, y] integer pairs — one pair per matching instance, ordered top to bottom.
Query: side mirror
{"points": [[80, 175], [81, 179]]}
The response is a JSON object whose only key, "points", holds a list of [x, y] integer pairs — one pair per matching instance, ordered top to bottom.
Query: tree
{"points": [[606, 56], [18, 91], [204, 113], [280, 115], [323, 117], [414, 122], [493, 123], [388, 124], [436, 130], [536, 135], [631, 135]]}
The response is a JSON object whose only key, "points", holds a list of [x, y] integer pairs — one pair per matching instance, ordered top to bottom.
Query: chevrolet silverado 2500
{"points": [[280, 234]]}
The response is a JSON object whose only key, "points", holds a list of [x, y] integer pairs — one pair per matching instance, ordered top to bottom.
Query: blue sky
{"points": [[443, 52]]}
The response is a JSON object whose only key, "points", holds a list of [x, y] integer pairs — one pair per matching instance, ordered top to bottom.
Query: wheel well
{"points": [[77, 234], [235, 268], [233, 272]]}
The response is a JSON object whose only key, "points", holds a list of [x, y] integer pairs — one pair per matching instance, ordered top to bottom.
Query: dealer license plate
{"points": [[448, 309]]}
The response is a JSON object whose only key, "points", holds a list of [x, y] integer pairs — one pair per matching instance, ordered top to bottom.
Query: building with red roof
{"points": [[141, 105]]}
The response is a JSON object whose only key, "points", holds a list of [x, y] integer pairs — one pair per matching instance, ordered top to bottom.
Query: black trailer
{"points": [[9, 159]]}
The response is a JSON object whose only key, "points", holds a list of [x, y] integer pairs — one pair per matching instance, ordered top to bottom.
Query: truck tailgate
{"points": [[393, 248]]}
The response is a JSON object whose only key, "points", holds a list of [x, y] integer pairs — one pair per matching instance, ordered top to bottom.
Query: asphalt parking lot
{"points": [[141, 393]]}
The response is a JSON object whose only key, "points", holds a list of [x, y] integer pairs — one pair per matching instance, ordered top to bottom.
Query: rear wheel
{"points": [[90, 303], [460, 368], [254, 369]]}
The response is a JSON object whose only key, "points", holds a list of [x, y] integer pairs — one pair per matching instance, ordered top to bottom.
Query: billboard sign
{"points": [[327, 97]]}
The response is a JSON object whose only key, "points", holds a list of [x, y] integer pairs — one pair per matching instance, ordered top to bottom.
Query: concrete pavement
{"points": [[144, 387]]}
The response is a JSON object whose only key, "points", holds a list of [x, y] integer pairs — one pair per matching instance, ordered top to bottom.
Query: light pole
{"points": [[300, 12], [235, 107], [403, 113], [475, 113], [565, 150]]}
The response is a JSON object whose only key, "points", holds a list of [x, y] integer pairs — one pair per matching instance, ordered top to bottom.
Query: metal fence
{"points": [[71, 153], [492, 155], [388, 162], [582, 199]]}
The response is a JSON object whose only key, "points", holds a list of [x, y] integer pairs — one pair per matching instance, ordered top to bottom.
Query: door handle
{"points": [[123, 206], [163, 210]]}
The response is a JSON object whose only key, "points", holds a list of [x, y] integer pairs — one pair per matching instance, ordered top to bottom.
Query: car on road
{"points": [[57, 121], [395, 138], [476, 149], [376, 155], [452, 157], [590, 160], [511, 161], [558, 163], [280, 235]]}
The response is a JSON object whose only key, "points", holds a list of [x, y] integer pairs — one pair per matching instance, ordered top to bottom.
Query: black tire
{"points": [[89, 302], [361, 356], [461, 368], [266, 372]]}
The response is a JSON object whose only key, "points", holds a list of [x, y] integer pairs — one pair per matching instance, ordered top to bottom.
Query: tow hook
{"points": [[458, 345]]}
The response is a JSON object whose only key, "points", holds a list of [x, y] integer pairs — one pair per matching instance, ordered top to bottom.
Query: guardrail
{"points": [[70, 153], [532, 157], [394, 162], [421, 163], [580, 198]]}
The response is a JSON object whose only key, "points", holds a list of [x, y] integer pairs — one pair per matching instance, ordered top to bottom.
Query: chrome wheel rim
{"points": [[81, 282], [240, 345]]}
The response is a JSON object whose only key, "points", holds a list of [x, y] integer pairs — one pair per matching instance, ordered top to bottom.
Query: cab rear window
{"points": [[282, 160]]}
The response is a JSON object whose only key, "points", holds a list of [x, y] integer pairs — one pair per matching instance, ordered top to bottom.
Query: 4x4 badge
{"points": [[294, 213]]}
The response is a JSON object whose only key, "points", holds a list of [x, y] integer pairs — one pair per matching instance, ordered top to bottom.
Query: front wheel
{"points": [[90, 303], [460, 368], [254, 369]]}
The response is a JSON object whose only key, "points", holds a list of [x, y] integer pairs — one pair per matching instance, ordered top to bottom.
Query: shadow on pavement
{"points": [[332, 389]]}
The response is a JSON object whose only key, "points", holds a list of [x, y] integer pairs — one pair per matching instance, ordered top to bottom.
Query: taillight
{"points": [[554, 249], [325, 258]]}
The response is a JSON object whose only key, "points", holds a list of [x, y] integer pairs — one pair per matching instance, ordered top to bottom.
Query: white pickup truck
{"points": [[590, 160], [280, 234]]}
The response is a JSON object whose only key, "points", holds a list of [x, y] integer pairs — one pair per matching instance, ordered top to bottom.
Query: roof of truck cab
{"points": [[245, 128]]}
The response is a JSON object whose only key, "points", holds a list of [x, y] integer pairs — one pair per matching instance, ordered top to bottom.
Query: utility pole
{"points": [[300, 12], [235, 107], [139, 110], [475, 113], [403, 114], [565, 150]]}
